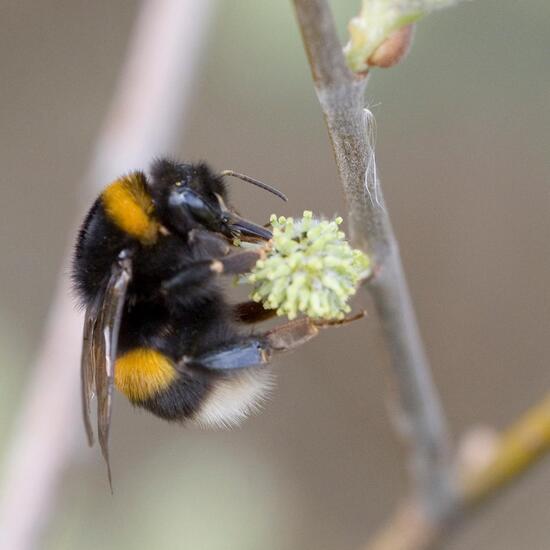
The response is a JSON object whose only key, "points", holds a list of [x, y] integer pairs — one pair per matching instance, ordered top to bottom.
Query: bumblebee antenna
{"points": [[255, 182]]}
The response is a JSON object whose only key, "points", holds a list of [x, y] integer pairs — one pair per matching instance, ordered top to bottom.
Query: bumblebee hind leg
{"points": [[254, 351]]}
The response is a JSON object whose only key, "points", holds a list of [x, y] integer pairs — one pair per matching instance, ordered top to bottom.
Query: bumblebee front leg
{"points": [[202, 271]]}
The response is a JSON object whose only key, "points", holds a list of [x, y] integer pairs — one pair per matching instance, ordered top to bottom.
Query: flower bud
{"points": [[394, 49]]}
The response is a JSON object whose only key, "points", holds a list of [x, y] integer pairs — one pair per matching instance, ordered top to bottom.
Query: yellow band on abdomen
{"points": [[142, 373]]}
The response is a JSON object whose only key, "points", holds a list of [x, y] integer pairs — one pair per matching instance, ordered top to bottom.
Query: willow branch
{"points": [[144, 120], [420, 419], [520, 447], [512, 455], [408, 529]]}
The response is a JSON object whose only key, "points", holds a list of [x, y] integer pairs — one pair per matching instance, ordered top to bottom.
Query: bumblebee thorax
{"points": [[129, 206]]}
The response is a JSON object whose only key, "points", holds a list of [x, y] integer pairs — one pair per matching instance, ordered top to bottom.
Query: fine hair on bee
{"points": [[147, 267]]}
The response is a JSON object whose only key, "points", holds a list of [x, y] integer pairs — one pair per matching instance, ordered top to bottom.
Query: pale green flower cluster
{"points": [[310, 269]]}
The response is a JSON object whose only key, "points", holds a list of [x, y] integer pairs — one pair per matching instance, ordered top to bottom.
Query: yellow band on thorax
{"points": [[129, 205], [142, 373]]}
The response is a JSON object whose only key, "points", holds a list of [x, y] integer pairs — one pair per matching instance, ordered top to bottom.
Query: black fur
{"points": [[165, 172], [185, 321]]}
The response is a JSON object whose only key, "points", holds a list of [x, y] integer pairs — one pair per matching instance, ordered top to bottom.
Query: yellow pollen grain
{"points": [[129, 205], [142, 373]]}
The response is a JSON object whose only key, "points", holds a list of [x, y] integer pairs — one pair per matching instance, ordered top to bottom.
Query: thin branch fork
{"points": [[419, 419]]}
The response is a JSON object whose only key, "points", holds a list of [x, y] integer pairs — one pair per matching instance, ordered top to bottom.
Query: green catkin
{"points": [[310, 269]]}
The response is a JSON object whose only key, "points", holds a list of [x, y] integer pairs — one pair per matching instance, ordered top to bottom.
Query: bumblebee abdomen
{"points": [[142, 373], [149, 379], [232, 399]]}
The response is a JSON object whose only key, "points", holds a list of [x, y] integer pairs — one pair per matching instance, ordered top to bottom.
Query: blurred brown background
{"points": [[463, 139]]}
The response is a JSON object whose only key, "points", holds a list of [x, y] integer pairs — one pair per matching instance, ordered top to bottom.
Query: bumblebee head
{"points": [[191, 195]]}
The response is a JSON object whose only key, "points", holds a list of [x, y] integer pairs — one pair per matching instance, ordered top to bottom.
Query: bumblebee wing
{"points": [[104, 344], [87, 364]]}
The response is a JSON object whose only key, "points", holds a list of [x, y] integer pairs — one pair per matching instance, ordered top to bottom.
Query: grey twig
{"points": [[144, 120], [420, 418]]}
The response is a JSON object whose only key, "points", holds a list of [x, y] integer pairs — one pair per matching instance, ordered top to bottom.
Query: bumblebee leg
{"points": [[213, 243], [240, 262], [199, 272], [252, 312], [326, 323], [295, 333], [291, 335], [257, 350], [250, 352]]}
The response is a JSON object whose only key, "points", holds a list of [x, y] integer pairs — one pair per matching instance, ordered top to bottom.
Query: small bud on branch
{"points": [[374, 40], [394, 49]]}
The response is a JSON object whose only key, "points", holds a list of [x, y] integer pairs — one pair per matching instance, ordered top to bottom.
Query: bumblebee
{"points": [[147, 267]]}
